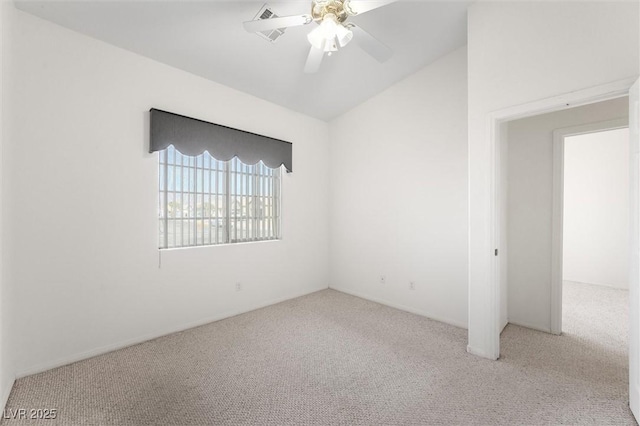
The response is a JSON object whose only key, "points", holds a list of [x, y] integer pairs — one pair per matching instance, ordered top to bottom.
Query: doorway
{"points": [[532, 152], [554, 167], [591, 229], [485, 336]]}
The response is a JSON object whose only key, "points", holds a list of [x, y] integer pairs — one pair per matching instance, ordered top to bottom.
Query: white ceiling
{"points": [[206, 38]]}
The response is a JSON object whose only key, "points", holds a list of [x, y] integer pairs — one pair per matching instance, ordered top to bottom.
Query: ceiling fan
{"points": [[333, 29]]}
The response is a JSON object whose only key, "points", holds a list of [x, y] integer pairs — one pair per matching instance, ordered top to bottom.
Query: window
{"points": [[204, 201]]}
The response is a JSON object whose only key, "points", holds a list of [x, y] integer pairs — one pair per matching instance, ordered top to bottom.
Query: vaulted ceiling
{"points": [[206, 38]]}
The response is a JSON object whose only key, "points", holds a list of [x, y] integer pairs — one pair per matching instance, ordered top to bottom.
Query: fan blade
{"points": [[358, 7], [260, 25], [374, 47], [313, 60]]}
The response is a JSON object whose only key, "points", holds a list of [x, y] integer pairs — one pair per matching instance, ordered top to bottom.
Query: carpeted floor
{"points": [[330, 358]]}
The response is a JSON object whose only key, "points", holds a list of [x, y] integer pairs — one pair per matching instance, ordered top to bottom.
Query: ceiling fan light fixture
{"points": [[333, 30], [329, 34]]}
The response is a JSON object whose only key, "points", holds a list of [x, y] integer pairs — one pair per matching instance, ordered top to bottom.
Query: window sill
{"points": [[243, 243]]}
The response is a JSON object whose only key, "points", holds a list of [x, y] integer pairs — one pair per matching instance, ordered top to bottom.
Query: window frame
{"points": [[236, 187]]}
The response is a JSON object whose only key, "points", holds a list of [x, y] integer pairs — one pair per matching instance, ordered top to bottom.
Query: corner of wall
{"points": [[425, 115]]}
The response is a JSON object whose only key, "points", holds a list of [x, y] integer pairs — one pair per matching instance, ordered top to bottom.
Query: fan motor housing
{"points": [[320, 8]]}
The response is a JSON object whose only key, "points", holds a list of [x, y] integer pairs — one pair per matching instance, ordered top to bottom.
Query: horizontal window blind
{"points": [[204, 201]]}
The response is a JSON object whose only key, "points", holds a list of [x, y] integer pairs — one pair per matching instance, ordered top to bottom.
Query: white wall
{"points": [[520, 52], [82, 194], [399, 194], [530, 194], [596, 208], [6, 301]]}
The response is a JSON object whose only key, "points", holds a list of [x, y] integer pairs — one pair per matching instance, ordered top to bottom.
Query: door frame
{"points": [[613, 90], [557, 226]]}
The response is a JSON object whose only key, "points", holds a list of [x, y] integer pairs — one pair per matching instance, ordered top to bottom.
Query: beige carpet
{"points": [[329, 358]]}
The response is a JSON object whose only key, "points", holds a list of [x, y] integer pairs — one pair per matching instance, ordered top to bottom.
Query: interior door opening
{"points": [[531, 209], [564, 217], [595, 237], [538, 252]]}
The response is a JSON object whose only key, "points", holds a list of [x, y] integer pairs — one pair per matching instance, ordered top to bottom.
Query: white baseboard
{"points": [[596, 284], [401, 307], [506, 323], [531, 326], [140, 339], [480, 353], [5, 394]]}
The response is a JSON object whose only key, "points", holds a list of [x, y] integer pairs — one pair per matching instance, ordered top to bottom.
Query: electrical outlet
{"points": [[383, 279], [412, 285], [238, 286]]}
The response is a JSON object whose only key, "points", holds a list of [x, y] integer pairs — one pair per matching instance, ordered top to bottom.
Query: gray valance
{"points": [[192, 137]]}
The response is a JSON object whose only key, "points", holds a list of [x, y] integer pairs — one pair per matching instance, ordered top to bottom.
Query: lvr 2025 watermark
{"points": [[30, 413]]}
